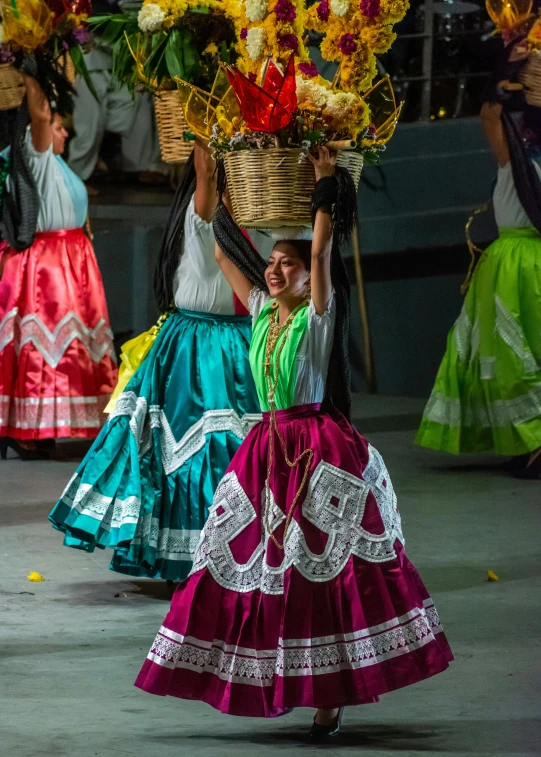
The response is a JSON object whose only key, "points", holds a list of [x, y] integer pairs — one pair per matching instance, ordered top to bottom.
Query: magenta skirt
{"points": [[337, 617]]}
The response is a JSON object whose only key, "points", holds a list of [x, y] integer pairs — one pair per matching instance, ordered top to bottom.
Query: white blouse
{"points": [[63, 200], [508, 211], [199, 283], [314, 353]]}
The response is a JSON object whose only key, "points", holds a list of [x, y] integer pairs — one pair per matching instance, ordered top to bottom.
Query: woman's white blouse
{"points": [[59, 208], [508, 211], [199, 283], [314, 351]]}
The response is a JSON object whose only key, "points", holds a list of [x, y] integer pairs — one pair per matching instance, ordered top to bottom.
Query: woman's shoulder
{"points": [[257, 299]]}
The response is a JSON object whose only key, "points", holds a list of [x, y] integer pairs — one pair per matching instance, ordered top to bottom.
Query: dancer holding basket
{"points": [[57, 361], [180, 411], [300, 594]]}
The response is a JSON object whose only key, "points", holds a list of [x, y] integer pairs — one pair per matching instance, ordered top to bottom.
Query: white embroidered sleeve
{"points": [[256, 302]]}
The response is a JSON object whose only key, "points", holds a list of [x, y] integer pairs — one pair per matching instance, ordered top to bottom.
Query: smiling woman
{"points": [[300, 594]]}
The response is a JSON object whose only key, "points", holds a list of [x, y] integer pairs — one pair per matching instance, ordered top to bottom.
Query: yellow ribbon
{"points": [[472, 247], [133, 354]]}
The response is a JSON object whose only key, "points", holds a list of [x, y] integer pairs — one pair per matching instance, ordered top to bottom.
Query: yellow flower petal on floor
{"points": [[35, 577], [492, 577]]}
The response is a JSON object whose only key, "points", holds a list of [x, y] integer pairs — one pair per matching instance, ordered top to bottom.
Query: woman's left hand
{"points": [[325, 163]]}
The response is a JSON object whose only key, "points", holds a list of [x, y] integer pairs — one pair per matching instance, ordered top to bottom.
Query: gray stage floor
{"points": [[71, 646]]}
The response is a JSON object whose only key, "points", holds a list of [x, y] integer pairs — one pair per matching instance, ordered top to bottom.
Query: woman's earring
{"points": [[274, 305]]}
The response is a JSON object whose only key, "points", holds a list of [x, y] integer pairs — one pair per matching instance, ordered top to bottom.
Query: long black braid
{"points": [[525, 177], [339, 193], [20, 207], [173, 236]]}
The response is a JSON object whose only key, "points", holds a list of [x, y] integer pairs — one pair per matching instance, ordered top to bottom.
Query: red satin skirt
{"points": [[57, 362]]}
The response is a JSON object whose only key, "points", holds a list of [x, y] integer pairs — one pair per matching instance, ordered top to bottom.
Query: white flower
{"points": [[339, 7], [256, 9], [150, 18], [255, 42], [312, 93], [339, 104]]}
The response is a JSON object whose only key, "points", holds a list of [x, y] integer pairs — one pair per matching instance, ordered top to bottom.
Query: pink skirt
{"points": [[57, 362], [337, 617]]}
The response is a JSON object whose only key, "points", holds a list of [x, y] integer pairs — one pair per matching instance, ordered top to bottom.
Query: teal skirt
{"points": [[487, 394], [145, 487]]}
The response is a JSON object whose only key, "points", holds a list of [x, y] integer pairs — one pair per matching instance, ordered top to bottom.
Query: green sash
{"points": [[285, 391]]}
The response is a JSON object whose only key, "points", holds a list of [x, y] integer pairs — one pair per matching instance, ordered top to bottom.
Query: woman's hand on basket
{"points": [[325, 163]]}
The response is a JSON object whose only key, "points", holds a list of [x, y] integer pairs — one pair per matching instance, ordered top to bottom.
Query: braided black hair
{"points": [[525, 177], [336, 192], [20, 207], [173, 236]]}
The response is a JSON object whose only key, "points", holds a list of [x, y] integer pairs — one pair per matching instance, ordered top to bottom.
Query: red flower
{"points": [[370, 8], [285, 10], [323, 10], [289, 41], [347, 44], [309, 69], [271, 107]]}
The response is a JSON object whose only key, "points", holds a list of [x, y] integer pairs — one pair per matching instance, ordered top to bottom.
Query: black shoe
{"points": [[22, 452], [515, 464], [532, 471], [323, 732]]}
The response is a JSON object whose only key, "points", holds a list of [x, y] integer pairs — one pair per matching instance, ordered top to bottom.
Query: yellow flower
{"points": [[393, 11], [534, 36], [378, 39], [211, 48], [35, 577]]}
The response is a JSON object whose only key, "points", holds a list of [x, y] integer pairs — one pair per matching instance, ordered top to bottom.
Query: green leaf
{"points": [[200, 9], [112, 31], [225, 53], [191, 57], [174, 59], [79, 64]]}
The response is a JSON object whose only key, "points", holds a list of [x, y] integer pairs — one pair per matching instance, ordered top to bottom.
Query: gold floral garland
{"points": [[156, 15], [272, 28], [354, 34], [534, 35]]}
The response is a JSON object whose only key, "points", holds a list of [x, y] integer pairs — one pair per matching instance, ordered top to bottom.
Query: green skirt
{"points": [[487, 394]]}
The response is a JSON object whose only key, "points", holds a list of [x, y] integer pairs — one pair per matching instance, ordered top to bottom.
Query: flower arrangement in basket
{"points": [[517, 25], [55, 33], [354, 34], [164, 40], [531, 76], [265, 114]]}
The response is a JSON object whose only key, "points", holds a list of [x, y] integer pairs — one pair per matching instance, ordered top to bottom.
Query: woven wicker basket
{"points": [[531, 79], [11, 87], [171, 127], [270, 188]]}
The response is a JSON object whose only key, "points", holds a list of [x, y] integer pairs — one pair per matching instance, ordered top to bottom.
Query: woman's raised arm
{"points": [[41, 118], [205, 195], [320, 278], [239, 283]]}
